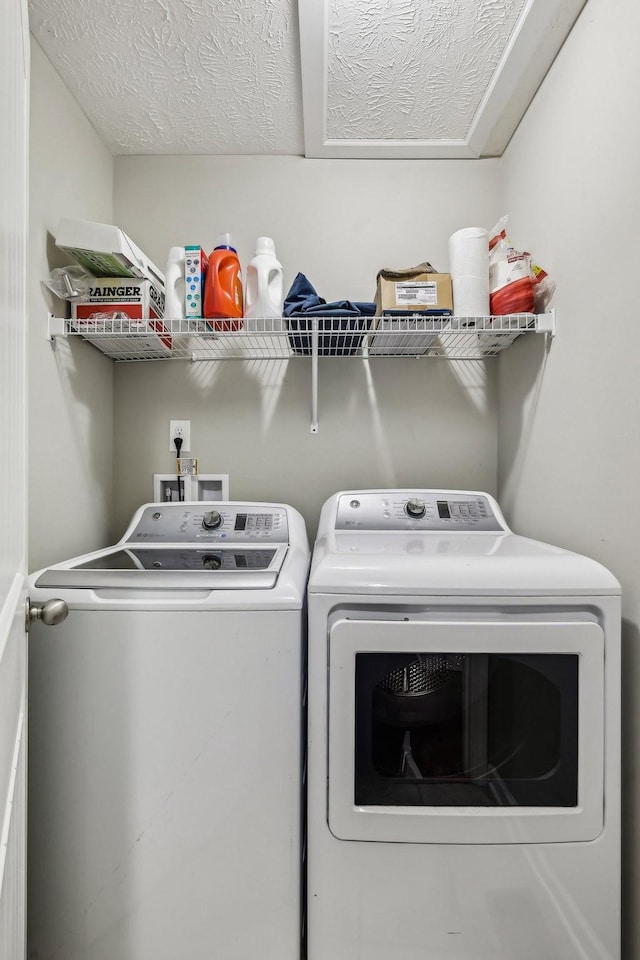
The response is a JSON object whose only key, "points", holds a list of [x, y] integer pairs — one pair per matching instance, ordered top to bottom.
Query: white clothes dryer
{"points": [[463, 737], [166, 740]]}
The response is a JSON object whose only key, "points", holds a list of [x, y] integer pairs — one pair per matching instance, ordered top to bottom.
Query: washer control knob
{"points": [[415, 509], [212, 520], [211, 563]]}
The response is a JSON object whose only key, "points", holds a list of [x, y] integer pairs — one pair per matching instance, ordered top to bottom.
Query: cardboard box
{"points": [[418, 293], [138, 299], [129, 310]]}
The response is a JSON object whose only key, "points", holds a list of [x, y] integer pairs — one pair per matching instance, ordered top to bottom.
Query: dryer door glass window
{"points": [[466, 729]]}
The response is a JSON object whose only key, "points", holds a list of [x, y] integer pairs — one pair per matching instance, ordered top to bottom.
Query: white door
{"points": [[14, 109]]}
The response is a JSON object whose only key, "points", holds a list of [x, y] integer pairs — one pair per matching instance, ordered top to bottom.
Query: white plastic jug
{"points": [[174, 285], [264, 291]]}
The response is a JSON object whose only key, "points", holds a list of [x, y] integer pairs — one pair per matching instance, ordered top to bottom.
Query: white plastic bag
{"points": [[68, 283]]}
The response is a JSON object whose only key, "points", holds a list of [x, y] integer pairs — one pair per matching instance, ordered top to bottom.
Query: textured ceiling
{"points": [[420, 67], [180, 76], [415, 78]]}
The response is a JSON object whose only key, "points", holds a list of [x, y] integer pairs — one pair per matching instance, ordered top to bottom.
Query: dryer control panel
{"points": [[420, 510], [211, 522]]}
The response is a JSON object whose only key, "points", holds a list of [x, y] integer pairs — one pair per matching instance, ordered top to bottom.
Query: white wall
{"points": [[71, 386], [569, 421], [402, 422]]}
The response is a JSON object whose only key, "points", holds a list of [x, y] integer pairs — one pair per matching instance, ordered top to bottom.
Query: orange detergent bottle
{"points": [[223, 287]]}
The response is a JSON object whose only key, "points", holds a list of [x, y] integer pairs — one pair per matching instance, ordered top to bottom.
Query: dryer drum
{"points": [[422, 692]]}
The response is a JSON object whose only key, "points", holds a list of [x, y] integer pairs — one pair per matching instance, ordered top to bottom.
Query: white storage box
{"points": [[106, 251], [403, 336]]}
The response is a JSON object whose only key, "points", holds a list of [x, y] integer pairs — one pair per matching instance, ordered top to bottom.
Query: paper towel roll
{"points": [[469, 268]]}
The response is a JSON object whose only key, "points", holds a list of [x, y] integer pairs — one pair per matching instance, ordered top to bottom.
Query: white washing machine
{"points": [[463, 737], [166, 739]]}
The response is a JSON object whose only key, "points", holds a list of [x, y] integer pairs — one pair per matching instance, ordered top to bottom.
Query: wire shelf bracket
{"points": [[368, 338]]}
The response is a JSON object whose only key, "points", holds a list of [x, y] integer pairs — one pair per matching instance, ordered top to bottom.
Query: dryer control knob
{"points": [[415, 509], [212, 520]]}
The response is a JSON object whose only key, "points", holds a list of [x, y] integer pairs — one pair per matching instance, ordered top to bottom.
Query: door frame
{"points": [[14, 188]]}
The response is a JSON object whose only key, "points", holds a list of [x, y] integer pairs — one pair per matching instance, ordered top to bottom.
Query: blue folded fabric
{"points": [[302, 300], [342, 337]]}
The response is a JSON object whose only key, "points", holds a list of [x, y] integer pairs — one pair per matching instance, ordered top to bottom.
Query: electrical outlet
{"points": [[180, 428]]}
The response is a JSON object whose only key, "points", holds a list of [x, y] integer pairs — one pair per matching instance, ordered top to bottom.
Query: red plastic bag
{"points": [[510, 281], [516, 284], [543, 288]]}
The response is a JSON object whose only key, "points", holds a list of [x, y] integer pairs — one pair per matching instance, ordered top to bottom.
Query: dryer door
{"points": [[487, 731]]}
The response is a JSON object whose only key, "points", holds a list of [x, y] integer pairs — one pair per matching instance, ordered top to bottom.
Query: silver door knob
{"points": [[52, 612]]}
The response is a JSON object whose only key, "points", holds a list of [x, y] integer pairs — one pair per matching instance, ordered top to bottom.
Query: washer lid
{"points": [[170, 566]]}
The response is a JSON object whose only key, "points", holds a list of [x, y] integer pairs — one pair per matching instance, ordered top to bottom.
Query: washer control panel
{"points": [[416, 510], [211, 522], [180, 558]]}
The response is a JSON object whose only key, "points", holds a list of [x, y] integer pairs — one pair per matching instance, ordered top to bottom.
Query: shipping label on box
{"points": [[425, 292], [122, 306]]}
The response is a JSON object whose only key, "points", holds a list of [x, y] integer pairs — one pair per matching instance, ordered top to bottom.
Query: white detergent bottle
{"points": [[174, 285], [264, 291]]}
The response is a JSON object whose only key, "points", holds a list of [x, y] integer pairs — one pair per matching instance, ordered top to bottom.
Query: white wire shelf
{"points": [[455, 338]]}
